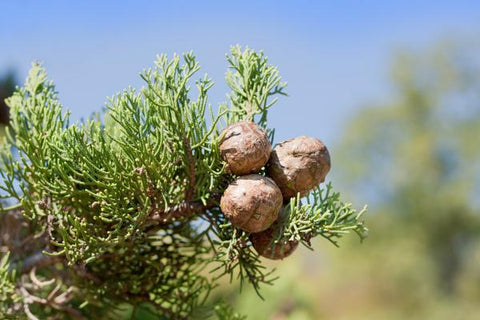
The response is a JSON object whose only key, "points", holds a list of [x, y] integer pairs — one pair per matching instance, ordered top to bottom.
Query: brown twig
{"points": [[184, 209], [59, 302]]}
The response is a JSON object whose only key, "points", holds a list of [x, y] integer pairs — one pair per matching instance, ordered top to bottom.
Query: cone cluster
{"points": [[253, 202]]}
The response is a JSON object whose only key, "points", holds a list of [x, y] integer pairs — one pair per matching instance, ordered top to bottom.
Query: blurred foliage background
{"points": [[415, 159]]}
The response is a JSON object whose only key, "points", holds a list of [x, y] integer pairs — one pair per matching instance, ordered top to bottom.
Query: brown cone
{"points": [[245, 147], [299, 165], [252, 202], [264, 243]]}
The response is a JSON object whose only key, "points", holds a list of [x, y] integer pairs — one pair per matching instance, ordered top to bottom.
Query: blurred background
{"points": [[393, 89]]}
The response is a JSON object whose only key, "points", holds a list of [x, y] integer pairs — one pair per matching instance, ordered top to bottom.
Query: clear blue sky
{"points": [[334, 54]]}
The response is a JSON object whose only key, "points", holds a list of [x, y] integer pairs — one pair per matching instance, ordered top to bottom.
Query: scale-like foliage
{"points": [[127, 205], [8, 296]]}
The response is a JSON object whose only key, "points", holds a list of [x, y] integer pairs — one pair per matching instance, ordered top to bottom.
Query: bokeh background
{"points": [[393, 89]]}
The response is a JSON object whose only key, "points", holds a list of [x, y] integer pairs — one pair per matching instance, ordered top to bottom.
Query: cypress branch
{"points": [[125, 205], [183, 210]]}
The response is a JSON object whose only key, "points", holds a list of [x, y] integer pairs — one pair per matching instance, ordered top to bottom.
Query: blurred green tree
{"points": [[419, 154], [417, 161]]}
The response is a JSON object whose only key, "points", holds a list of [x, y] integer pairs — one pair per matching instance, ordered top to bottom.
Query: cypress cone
{"points": [[245, 147], [299, 165], [252, 202], [266, 245]]}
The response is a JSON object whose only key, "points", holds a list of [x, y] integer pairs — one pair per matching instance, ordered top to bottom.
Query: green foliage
{"points": [[253, 82], [117, 199], [324, 215], [234, 256], [8, 295], [225, 312]]}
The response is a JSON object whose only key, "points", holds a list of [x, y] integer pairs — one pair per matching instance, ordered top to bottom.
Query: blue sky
{"points": [[335, 55]]}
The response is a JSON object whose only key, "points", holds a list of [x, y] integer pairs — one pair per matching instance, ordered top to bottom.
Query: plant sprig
{"points": [[117, 196], [323, 214]]}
